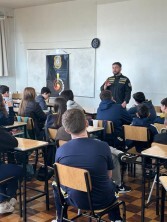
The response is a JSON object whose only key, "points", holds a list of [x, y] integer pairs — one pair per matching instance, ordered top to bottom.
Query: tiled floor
{"points": [[36, 210]]}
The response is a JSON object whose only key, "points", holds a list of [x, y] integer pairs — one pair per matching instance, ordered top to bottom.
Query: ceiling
{"points": [[28, 3]]}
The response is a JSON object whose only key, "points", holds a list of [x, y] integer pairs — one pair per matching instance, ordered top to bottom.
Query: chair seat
{"points": [[133, 151]]}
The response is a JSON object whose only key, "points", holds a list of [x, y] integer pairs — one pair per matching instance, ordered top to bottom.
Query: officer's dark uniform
{"points": [[120, 87]]}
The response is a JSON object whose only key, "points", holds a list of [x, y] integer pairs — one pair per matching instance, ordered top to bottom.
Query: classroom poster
{"points": [[57, 73]]}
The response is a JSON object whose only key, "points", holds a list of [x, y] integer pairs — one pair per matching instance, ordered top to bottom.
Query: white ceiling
{"points": [[28, 3]]}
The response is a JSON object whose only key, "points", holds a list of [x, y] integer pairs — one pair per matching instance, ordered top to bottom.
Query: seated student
{"points": [[4, 90], [45, 93], [69, 97], [139, 98], [30, 108], [109, 110], [6, 118], [142, 119], [160, 119], [55, 120], [8, 143], [79, 152], [117, 155]]}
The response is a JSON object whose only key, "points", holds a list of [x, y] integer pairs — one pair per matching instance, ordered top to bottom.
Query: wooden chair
{"points": [[17, 96], [157, 109], [160, 127], [52, 133], [108, 133], [136, 133], [163, 180], [80, 181]]}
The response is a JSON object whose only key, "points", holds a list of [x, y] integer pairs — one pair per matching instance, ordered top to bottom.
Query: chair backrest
{"points": [[17, 96], [157, 109], [28, 120], [108, 125], [160, 127], [52, 133], [136, 133], [61, 142], [78, 181]]}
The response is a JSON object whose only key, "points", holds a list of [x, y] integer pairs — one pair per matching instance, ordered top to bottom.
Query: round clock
{"points": [[95, 43]]}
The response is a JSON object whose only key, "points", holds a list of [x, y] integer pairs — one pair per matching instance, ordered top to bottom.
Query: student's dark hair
{"points": [[118, 64], [4, 89], [45, 90], [67, 94], [105, 95], [139, 97], [164, 102], [2, 106], [59, 107], [142, 111], [73, 121]]}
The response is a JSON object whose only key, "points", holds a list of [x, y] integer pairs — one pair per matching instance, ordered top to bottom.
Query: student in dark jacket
{"points": [[45, 93], [139, 98], [30, 108], [109, 110], [5, 117], [161, 119], [142, 120], [8, 143]]}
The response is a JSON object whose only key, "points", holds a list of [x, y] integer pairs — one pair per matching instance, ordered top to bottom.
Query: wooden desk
{"points": [[50, 105], [16, 109], [90, 111], [17, 125], [91, 129], [24, 146], [157, 152]]}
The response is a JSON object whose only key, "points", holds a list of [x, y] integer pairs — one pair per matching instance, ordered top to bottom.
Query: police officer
{"points": [[119, 85]]}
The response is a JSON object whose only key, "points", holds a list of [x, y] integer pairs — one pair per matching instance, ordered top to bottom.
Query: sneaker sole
{"points": [[124, 191]]}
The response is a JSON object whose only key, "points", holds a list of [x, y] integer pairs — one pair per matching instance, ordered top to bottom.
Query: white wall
{"points": [[62, 25], [132, 32], [10, 42]]}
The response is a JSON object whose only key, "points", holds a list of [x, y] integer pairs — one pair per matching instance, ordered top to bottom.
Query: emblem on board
{"points": [[57, 62]]}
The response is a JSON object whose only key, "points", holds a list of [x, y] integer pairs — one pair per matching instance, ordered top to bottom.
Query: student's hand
{"points": [[106, 84], [9, 104], [124, 104]]}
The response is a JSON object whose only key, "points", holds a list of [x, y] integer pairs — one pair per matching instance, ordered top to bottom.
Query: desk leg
{"points": [[25, 131], [46, 178], [24, 188], [157, 188], [143, 189], [162, 204]]}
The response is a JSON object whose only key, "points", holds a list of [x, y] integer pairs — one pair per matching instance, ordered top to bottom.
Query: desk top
{"points": [[50, 104], [90, 110], [15, 125], [91, 129], [29, 144], [156, 151], [163, 180]]}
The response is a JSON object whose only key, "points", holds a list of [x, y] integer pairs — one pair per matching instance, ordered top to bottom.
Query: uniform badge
{"points": [[57, 62], [129, 84]]}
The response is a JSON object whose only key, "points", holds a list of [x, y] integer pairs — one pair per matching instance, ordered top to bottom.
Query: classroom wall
{"points": [[9, 31], [132, 32]]}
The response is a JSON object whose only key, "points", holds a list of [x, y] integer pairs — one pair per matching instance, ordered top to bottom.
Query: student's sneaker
{"points": [[127, 158], [123, 189], [13, 201], [5, 207], [116, 220]]}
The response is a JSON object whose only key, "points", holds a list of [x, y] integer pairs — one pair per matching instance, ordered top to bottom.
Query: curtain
{"points": [[3, 51]]}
